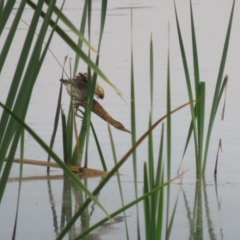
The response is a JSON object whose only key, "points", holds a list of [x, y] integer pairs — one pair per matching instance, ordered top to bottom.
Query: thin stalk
{"points": [[133, 126], [169, 133], [118, 178]]}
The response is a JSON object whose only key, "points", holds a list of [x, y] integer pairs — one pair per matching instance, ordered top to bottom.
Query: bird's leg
{"points": [[77, 109]]}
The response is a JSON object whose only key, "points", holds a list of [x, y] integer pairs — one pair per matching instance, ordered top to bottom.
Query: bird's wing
{"points": [[81, 81]]}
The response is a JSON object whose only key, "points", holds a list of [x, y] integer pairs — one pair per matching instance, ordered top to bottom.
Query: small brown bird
{"points": [[78, 88]]}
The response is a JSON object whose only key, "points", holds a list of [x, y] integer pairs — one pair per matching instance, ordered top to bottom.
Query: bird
{"points": [[77, 88]]}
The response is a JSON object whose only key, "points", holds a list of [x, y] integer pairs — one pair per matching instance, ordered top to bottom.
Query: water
{"points": [[36, 217]]}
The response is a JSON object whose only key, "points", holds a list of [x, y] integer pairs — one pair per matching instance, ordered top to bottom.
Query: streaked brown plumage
{"points": [[78, 88]]}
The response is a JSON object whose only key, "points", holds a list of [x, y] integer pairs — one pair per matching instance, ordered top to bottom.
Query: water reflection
{"points": [[72, 198], [200, 207], [53, 208], [201, 211]]}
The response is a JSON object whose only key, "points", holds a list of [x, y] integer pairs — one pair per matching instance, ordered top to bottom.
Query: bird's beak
{"points": [[65, 82]]}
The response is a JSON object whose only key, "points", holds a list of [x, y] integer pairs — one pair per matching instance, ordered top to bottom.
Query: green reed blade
{"points": [[5, 13], [2, 15], [12, 30], [80, 41], [195, 55], [151, 72], [18, 73], [188, 82], [91, 84], [217, 88], [199, 94], [133, 110], [201, 117], [169, 122], [133, 126], [85, 129], [190, 130], [169, 132], [150, 137], [65, 139], [99, 148], [160, 159], [151, 174], [118, 177], [20, 183], [147, 204], [160, 213], [158, 216]]}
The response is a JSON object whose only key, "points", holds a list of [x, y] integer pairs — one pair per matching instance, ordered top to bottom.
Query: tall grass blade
{"points": [[5, 13], [12, 30], [80, 41], [195, 55], [188, 82], [15, 83], [91, 83], [217, 88], [90, 92], [199, 95], [133, 111], [201, 116], [169, 124], [133, 126], [70, 129], [169, 132], [65, 139], [99, 148], [160, 159], [118, 178], [19, 184], [158, 196], [151, 211], [160, 213], [149, 228]]}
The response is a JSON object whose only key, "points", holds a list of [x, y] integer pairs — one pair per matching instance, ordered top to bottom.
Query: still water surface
{"points": [[43, 209]]}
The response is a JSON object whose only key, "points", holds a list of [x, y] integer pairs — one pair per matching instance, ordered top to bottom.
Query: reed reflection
{"points": [[72, 199], [200, 217]]}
